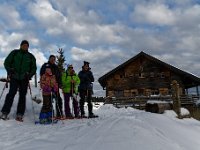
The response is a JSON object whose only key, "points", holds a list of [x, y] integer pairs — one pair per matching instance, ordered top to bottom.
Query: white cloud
{"points": [[155, 14], [10, 17], [51, 19], [9, 42], [96, 54], [40, 58]]}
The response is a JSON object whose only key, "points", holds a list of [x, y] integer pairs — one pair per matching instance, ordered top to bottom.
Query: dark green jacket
{"points": [[19, 63]]}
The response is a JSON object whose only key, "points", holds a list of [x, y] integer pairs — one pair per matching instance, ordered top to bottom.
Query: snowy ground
{"points": [[115, 129]]}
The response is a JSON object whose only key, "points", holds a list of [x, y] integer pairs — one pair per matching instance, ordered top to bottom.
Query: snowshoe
{"points": [[4, 116], [69, 116], [19, 118], [46, 118], [59, 118], [46, 122]]}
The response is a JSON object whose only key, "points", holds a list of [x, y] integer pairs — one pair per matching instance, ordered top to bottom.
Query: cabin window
{"points": [[152, 74], [131, 75], [141, 75], [162, 75], [117, 77], [134, 92], [155, 92], [119, 93]]}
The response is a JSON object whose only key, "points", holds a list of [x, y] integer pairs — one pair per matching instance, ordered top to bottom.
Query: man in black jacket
{"points": [[55, 71], [86, 89]]}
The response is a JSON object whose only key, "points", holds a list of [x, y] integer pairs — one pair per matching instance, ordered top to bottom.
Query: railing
{"points": [[140, 101]]}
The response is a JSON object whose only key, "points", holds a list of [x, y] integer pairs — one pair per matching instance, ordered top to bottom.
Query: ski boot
{"points": [[91, 115], [4, 116]]}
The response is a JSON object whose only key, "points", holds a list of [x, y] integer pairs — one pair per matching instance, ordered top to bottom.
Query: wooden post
{"points": [[197, 89], [176, 98]]}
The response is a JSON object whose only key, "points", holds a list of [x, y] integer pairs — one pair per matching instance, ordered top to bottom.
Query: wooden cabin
{"points": [[145, 75]]}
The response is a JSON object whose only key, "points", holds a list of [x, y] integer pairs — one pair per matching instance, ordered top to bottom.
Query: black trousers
{"points": [[22, 86], [85, 95]]}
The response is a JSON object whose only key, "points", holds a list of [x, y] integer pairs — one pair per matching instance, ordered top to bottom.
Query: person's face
{"points": [[24, 47], [52, 60], [86, 67], [70, 68], [48, 71]]}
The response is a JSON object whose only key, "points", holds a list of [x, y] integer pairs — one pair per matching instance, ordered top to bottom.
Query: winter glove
{"points": [[11, 72], [27, 76], [54, 89]]}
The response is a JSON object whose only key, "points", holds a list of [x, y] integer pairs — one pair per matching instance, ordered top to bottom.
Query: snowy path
{"points": [[117, 129]]}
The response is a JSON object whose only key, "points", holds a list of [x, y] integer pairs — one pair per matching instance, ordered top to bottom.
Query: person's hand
{"points": [[11, 71], [27, 76], [73, 81]]}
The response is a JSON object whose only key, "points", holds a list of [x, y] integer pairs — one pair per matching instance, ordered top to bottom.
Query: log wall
{"points": [[142, 77]]}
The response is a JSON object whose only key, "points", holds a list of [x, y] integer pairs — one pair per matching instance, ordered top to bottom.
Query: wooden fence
{"points": [[141, 101]]}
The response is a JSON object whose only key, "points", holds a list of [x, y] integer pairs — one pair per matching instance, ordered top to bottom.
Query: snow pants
{"points": [[15, 85], [85, 95], [67, 105]]}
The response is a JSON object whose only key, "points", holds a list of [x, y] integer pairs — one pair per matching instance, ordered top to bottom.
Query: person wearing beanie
{"points": [[24, 42], [20, 65], [55, 71], [86, 89]]}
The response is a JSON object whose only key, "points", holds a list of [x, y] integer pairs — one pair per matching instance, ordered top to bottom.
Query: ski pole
{"points": [[5, 86], [29, 86], [3, 90], [72, 98], [58, 106], [52, 107]]}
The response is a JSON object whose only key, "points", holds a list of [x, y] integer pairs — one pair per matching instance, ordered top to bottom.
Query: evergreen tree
{"points": [[60, 60]]}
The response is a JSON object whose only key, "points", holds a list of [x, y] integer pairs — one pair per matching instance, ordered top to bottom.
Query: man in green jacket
{"points": [[20, 65]]}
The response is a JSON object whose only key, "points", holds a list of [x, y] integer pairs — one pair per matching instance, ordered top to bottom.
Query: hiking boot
{"points": [[4, 116], [69, 116], [83, 116], [92, 116], [78, 117], [19, 118]]}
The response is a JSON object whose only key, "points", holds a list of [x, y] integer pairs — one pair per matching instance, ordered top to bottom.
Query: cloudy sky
{"points": [[104, 32]]}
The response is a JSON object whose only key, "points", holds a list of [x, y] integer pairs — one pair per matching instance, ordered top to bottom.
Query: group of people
{"points": [[20, 65]]}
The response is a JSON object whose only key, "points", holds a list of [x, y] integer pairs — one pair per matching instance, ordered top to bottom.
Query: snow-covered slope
{"points": [[115, 129]]}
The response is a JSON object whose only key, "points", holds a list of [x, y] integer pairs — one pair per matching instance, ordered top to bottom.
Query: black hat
{"points": [[24, 42], [52, 56], [86, 63]]}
